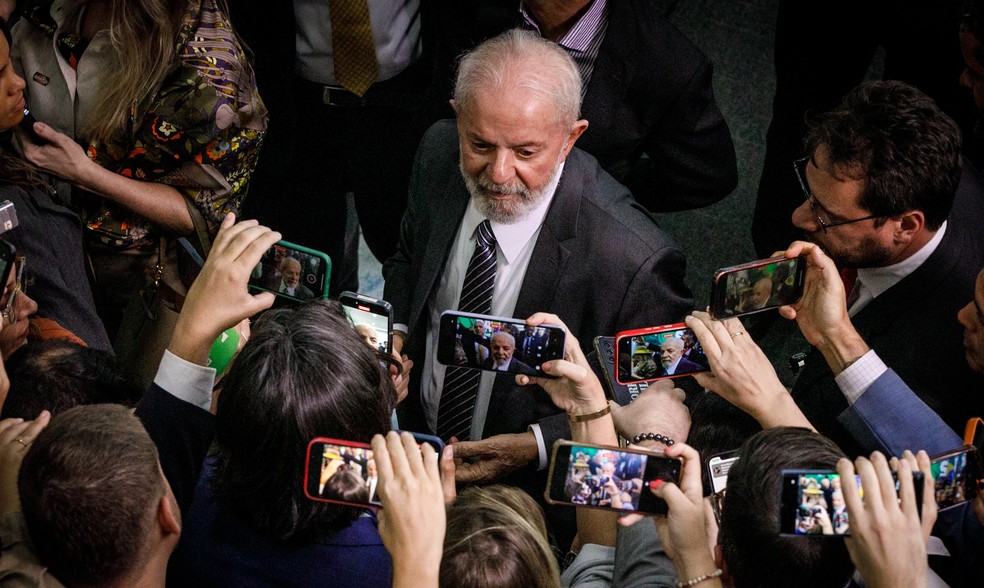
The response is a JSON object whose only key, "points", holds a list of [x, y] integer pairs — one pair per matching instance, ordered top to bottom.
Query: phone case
{"points": [[322, 292], [718, 293], [623, 394], [313, 464]]}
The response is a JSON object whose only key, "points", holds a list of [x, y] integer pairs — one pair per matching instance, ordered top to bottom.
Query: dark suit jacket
{"points": [[650, 92], [593, 229], [913, 327], [515, 366], [686, 366]]}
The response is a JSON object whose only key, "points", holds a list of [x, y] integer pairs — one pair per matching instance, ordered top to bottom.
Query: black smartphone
{"points": [[27, 125], [7, 254], [292, 272], [756, 286], [372, 318], [497, 344], [655, 353], [623, 394], [716, 471], [955, 474], [613, 478], [812, 503]]}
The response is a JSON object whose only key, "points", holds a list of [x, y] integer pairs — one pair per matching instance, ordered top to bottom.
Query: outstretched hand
{"points": [[219, 298], [742, 374], [412, 522]]}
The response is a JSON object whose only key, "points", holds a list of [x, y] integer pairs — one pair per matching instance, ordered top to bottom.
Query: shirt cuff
{"points": [[402, 328], [857, 377], [186, 381], [541, 446]]}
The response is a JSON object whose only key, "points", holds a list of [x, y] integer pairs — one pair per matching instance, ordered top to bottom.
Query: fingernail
{"points": [[655, 484]]}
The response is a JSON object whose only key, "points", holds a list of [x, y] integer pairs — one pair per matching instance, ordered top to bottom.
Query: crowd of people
{"points": [[128, 459]]}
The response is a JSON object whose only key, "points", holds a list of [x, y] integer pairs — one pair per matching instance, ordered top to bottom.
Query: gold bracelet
{"points": [[581, 418]]}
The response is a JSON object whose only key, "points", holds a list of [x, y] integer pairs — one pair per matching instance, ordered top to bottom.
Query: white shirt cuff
{"points": [[402, 328], [857, 377], [185, 380], [541, 446]]}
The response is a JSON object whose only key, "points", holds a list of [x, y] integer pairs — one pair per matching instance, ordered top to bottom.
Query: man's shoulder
{"points": [[643, 24]]}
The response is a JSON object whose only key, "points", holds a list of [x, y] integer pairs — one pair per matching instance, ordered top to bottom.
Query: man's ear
{"points": [[579, 127], [910, 225], [167, 515]]}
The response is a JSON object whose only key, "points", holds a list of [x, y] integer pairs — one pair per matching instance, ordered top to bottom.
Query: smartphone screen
{"points": [[292, 272], [757, 286], [372, 318], [498, 344], [650, 354], [717, 470], [343, 472], [955, 476], [608, 477], [812, 502]]}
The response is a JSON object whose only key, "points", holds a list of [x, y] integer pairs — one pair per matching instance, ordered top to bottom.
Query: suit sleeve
{"points": [[691, 159], [657, 294], [889, 417]]}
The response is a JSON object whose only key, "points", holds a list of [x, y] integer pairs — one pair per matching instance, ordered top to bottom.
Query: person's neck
{"points": [[556, 17], [920, 240], [151, 575]]}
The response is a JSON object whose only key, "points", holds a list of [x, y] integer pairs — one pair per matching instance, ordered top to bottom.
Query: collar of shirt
{"points": [[584, 31], [512, 238], [879, 279]]}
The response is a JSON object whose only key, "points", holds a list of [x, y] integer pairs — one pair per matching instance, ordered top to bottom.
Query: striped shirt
{"points": [[584, 39]]}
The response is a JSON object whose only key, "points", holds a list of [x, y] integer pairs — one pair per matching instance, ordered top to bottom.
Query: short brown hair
{"points": [[89, 487]]}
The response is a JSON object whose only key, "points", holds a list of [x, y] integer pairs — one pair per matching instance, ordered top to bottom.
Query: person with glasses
{"points": [[880, 197], [16, 308]]}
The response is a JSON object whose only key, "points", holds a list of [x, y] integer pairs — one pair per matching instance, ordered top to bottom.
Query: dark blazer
{"points": [[650, 92], [600, 263], [913, 327], [686, 366]]}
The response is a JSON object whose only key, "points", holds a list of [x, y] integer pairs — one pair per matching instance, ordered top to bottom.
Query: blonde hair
{"points": [[497, 538]]}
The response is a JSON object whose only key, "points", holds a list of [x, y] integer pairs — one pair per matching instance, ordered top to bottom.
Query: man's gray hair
{"points": [[524, 59], [506, 334]]}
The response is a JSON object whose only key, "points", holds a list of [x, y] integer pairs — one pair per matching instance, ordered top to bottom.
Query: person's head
{"points": [[11, 85], [518, 98], [882, 175], [290, 270], [761, 292], [16, 308], [972, 319], [479, 328], [368, 334], [503, 345], [670, 351], [304, 373], [56, 375], [371, 468], [607, 469], [825, 483], [347, 486], [837, 500], [97, 506], [496, 538], [754, 552]]}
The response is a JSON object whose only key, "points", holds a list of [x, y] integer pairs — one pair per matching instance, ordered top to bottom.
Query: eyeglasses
{"points": [[799, 168], [20, 262]]}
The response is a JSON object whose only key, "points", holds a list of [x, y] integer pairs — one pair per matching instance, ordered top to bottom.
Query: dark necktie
{"points": [[352, 45], [454, 413]]}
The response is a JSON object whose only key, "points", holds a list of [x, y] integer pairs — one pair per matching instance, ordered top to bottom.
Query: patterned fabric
{"points": [[200, 132]]}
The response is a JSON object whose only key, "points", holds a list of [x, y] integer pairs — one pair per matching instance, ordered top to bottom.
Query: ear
{"points": [[579, 127], [910, 225], [167, 515]]}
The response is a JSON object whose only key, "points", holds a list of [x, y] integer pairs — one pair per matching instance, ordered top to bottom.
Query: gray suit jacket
{"points": [[600, 263]]}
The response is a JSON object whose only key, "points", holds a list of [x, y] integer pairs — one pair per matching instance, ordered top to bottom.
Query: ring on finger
{"points": [[737, 334], [22, 441]]}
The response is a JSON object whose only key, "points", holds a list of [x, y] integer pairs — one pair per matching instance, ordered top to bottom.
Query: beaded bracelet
{"points": [[653, 437], [699, 579]]}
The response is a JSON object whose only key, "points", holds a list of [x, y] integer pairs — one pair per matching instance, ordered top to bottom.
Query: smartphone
{"points": [[27, 125], [8, 216], [7, 254], [292, 272], [756, 286], [372, 318], [497, 344], [669, 351], [623, 394], [717, 470], [344, 472], [955, 474], [608, 477], [810, 496]]}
